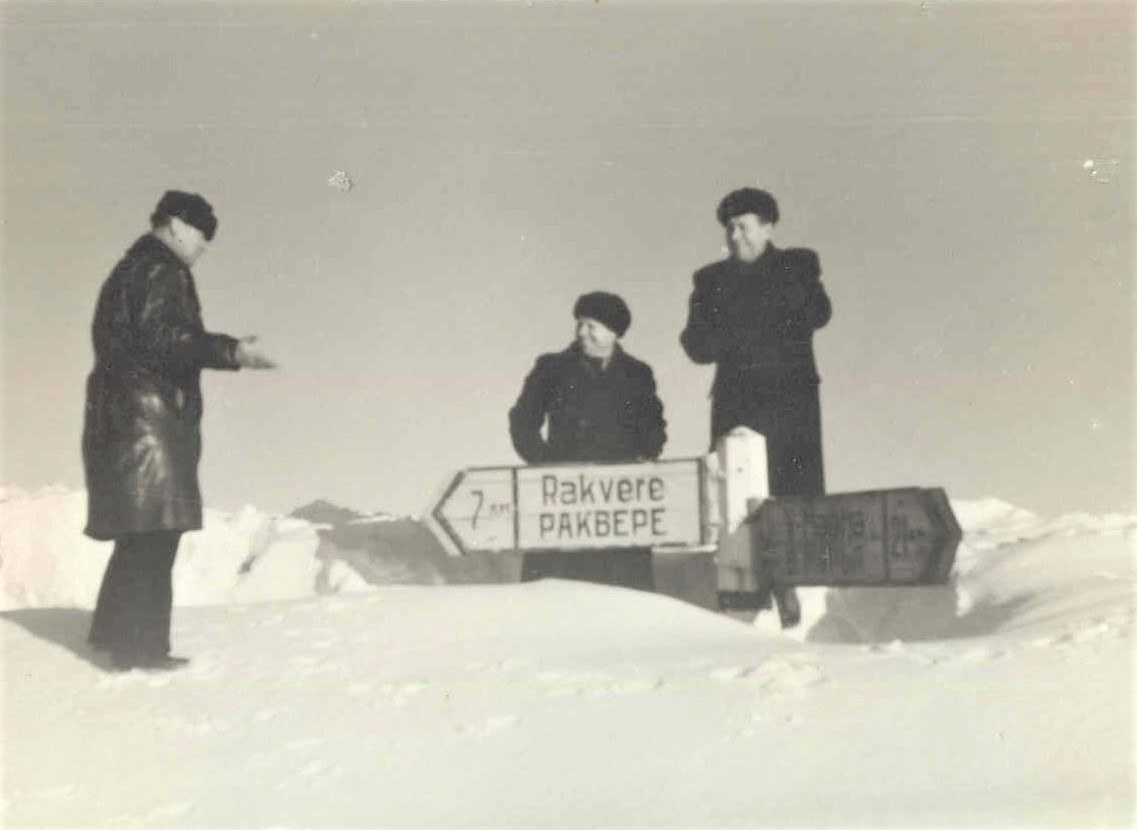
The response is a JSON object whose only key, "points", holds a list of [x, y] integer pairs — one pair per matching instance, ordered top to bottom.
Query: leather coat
{"points": [[142, 423]]}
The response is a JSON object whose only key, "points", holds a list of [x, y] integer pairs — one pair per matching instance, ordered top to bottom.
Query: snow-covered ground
{"points": [[317, 699]]}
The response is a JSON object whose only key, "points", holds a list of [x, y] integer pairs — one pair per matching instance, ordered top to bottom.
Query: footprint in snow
{"points": [[1113, 628], [1051, 641], [898, 648], [976, 656], [494, 665], [308, 666], [728, 674], [776, 674], [558, 684], [593, 684], [628, 687], [387, 693], [400, 694], [270, 713], [761, 722], [488, 726], [194, 727], [302, 744], [320, 769], [313, 776]]}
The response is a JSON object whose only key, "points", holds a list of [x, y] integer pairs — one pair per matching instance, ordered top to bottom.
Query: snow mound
{"points": [[984, 514], [991, 523], [250, 556], [1012, 569], [1013, 572], [532, 705]]}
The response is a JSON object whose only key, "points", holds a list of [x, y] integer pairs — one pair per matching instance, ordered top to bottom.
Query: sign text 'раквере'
{"points": [[575, 506]]}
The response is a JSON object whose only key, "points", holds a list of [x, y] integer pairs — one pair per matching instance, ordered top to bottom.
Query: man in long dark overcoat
{"points": [[753, 315], [596, 403], [141, 431]]}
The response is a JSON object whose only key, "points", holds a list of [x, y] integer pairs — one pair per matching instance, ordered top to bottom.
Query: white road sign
{"points": [[573, 507]]}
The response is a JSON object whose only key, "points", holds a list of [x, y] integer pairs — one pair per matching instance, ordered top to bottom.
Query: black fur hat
{"points": [[748, 200], [189, 207], [609, 309]]}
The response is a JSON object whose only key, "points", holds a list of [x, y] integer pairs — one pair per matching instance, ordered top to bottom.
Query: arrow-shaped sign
{"points": [[577, 507], [478, 509], [885, 537]]}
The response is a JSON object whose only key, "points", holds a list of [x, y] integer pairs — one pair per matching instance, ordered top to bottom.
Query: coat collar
{"points": [[151, 245], [768, 256], [590, 364]]}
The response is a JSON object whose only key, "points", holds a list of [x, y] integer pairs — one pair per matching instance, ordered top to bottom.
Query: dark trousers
{"points": [[626, 567], [132, 615]]}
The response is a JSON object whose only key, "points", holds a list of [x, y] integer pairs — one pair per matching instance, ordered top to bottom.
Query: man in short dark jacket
{"points": [[754, 315], [599, 401], [600, 405]]}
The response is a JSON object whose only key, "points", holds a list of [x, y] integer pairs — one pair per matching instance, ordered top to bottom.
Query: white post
{"points": [[743, 483]]}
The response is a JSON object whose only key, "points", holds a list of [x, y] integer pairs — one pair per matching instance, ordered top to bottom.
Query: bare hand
{"points": [[249, 357]]}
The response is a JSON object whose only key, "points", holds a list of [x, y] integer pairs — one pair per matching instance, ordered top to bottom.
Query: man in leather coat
{"points": [[753, 315], [141, 430]]}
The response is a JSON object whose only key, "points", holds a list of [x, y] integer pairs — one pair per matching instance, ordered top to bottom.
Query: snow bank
{"points": [[992, 523], [46, 561], [1013, 566], [1012, 570], [573, 705]]}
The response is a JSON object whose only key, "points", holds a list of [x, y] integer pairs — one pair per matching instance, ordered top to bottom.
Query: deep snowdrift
{"points": [[46, 561], [1002, 699]]}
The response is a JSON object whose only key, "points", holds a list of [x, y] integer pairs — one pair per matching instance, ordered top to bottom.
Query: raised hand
{"points": [[250, 357]]}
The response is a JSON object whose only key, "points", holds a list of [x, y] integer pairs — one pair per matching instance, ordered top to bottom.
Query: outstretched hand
{"points": [[250, 357]]}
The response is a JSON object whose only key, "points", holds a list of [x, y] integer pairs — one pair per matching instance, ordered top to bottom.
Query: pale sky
{"points": [[963, 170]]}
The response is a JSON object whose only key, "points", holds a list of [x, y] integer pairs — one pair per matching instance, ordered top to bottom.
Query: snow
{"points": [[250, 556], [316, 699]]}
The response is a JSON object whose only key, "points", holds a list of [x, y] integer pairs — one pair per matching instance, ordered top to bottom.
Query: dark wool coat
{"points": [[756, 323], [596, 415], [141, 430]]}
